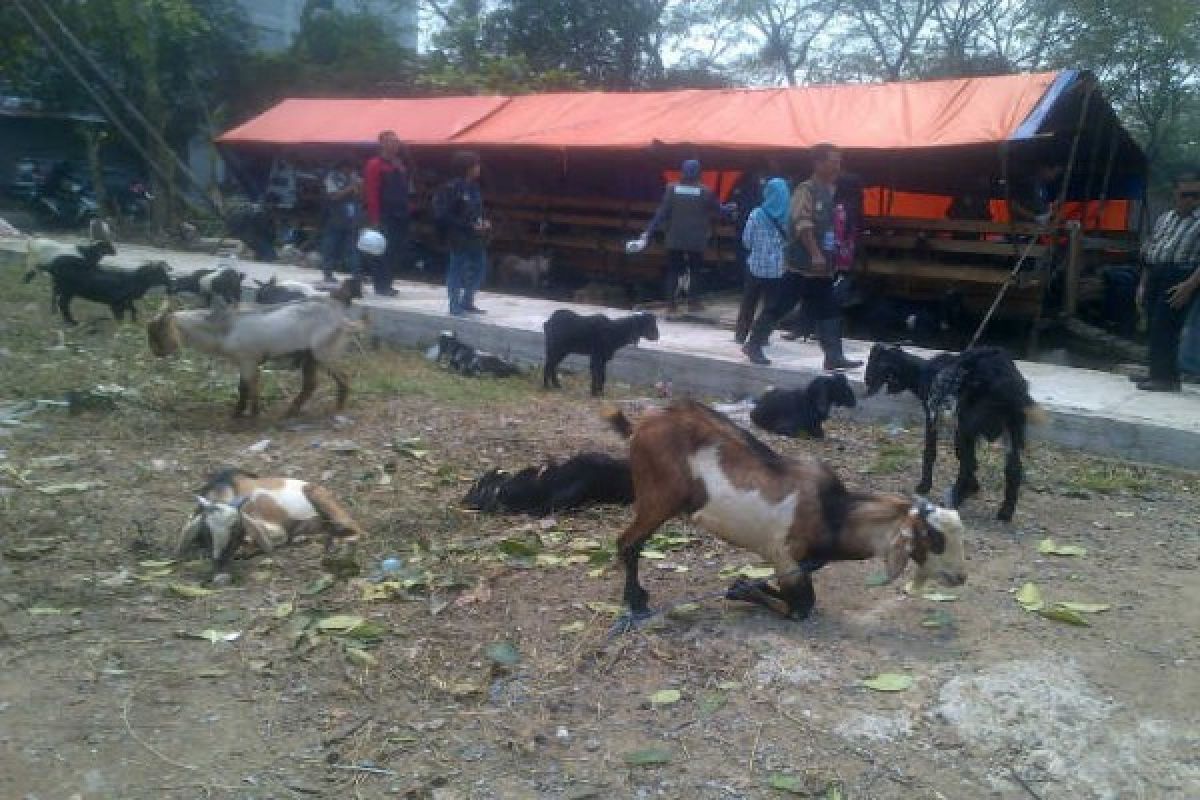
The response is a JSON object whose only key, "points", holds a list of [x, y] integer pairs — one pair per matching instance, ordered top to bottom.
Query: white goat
{"points": [[315, 330]]}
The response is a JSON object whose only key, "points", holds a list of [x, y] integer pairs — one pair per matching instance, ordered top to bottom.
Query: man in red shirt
{"points": [[385, 194]]}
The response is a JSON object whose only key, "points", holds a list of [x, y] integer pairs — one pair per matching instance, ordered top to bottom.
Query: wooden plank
{"points": [[965, 225], [941, 245], [1074, 265], [945, 273]]}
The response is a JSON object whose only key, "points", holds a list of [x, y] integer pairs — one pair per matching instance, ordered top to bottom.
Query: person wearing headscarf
{"points": [[687, 213], [765, 239]]}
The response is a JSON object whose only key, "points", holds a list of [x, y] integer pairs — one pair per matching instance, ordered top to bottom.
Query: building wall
{"points": [[276, 22]]}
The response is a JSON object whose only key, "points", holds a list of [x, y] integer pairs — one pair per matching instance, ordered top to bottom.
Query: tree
{"points": [[787, 30], [892, 32]]}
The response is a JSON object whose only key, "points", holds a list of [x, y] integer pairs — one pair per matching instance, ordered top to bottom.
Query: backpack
{"points": [[445, 198]]}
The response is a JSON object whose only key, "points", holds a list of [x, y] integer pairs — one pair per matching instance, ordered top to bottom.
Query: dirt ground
{"points": [[483, 667]]}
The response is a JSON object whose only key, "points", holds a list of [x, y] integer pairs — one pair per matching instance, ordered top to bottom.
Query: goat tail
{"points": [[1036, 415], [618, 421]]}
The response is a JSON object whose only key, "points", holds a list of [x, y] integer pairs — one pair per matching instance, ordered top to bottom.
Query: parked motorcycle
{"points": [[66, 205]]}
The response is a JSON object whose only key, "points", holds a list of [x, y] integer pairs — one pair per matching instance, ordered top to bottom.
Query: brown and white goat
{"points": [[315, 330], [234, 505], [796, 514]]}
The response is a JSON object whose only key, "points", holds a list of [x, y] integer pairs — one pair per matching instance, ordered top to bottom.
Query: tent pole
{"points": [[1045, 226]]}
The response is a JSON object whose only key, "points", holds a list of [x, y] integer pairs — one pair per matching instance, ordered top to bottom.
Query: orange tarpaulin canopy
{"points": [[876, 116], [880, 116], [419, 120]]}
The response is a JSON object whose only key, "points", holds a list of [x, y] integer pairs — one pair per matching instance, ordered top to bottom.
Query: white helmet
{"points": [[372, 242]]}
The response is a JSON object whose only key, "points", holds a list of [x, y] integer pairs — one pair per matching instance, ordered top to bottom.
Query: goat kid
{"points": [[52, 257], [223, 282], [118, 289], [316, 330], [595, 336], [466, 360], [991, 397], [791, 412], [582, 479], [235, 505], [796, 514]]}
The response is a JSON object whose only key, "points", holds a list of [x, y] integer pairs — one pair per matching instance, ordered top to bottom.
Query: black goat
{"points": [[52, 259], [225, 282], [115, 288], [273, 292], [930, 323], [596, 336], [465, 359], [991, 397], [792, 411], [581, 479]]}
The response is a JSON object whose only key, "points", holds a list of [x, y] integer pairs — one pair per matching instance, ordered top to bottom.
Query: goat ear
{"points": [[898, 552]]}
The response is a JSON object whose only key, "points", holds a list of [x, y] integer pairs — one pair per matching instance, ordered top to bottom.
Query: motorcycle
{"points": [[134, 201], [68, 205]]}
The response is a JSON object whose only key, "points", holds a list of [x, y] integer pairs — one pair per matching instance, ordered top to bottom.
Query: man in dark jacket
{"points": [[385, 193], [687, 212], [459, 213]]}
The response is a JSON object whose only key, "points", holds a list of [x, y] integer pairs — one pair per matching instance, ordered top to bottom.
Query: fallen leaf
{"points": [[69, 488], [585, 544], [521, 548], [1052, 548], [28, 552], [653, 555], [548, 560], [156, 564], [598, 572], [756, 573], [877, 579], [319, 585], [188, 590], [929, 594], [1030, 597], [601, 607], [1083, 608], [683, 610], [47, 611], [282, 611], [1058, 612], [936, 619], [340, 622], [573, 627], [366, 632], [504, 654], [360, 657], [212, 673], [889, 682], [665, 697], [712, 702], [647, 757], [788, 783]]}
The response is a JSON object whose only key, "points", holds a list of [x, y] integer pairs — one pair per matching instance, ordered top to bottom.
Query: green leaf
{"points": [[69, 488], [520, 548], [1052, 548], [653, 555], [548, 560], [756, 573], [319, 585], [187, 590], [929, 594], [1030, 597], [601, 607], [1083, 608], [47, 611], [282, 611], [1057, 612], [937, 619], [340, 622], [577, 626], [366, 632], [214, 636], [504, 654], [360, 657], [889, 682], [665, 697], [712, 702], [648, 757], [788, 783]]}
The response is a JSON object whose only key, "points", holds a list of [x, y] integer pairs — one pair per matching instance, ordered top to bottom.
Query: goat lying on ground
{"points": [[225, 282], [118, 289], [276, 291], [930, 322], [317, 330], [595, 336], [466, 360], [991, 398], [792, 411], [582, 479], [234, 505], [796, 514]]}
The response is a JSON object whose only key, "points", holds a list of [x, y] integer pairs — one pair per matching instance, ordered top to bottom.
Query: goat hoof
{"points": [[923, 488], [1005, 514], [742, 590], [631, 621]]}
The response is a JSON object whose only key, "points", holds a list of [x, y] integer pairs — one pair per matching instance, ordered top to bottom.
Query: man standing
{"points": [[341, 190], [385, 191], [458, 210], [687, 211], [810, 264], [1169, 280]]}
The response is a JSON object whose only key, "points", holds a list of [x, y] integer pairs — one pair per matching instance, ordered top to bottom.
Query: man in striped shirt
{"points": [[1170, 278]]}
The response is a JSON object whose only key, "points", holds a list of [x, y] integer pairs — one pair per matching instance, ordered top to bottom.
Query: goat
{"points": [[47, 255], [533, 271], [224, 282], [118, 289], [276, 291], [925, 322], [317, 330], [595, 336], [466, 360], [991, 397], [792, 411], [581, 479], [234, 505], [796, 514]]}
